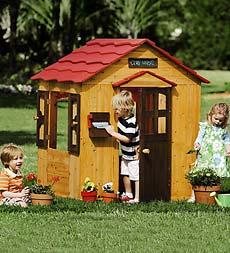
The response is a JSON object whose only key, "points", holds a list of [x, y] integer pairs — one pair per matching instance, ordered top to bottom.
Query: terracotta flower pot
{"points": [[202, 194], [89, 196], [109, 197], [41, 199]]}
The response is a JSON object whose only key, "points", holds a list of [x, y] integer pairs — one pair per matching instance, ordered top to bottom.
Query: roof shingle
{"points": [[85, 62]]}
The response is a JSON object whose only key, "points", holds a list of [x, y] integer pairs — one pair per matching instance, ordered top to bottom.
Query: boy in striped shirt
{"points": [[129, 136], [11, 185]]}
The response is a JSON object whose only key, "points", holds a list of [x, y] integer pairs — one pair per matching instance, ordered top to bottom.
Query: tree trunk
{"points": [[14, 11], [70, 33], [54, 40]]}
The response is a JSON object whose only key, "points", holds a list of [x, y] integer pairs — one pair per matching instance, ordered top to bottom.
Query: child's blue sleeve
{"points": [[201, 133], [226, 138]]}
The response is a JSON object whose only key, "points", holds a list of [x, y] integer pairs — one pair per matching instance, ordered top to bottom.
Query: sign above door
{"points": [[143, 62]]}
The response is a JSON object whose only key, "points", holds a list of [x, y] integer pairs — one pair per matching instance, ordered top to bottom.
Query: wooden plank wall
{"points": [[185, 109], [99, 157]]}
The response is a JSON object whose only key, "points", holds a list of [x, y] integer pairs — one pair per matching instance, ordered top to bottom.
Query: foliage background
{"points": [[34, 34]]}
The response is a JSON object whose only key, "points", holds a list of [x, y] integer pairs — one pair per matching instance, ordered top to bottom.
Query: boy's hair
{"points": [[123, 101], [220, 108], [8, 152]]}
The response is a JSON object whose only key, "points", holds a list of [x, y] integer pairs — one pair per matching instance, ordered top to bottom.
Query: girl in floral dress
{"points": [[213, 141]]}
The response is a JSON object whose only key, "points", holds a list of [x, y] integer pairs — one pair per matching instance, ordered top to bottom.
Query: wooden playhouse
{"points": [[167, 95]]}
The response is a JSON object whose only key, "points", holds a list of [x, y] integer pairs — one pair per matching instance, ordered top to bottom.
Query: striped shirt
{"points": [[129, 128], [10, 183]]}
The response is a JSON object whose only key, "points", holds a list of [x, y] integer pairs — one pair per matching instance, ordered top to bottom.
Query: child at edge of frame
{"points": [[129, 137], [213, 142], [12, 192]]}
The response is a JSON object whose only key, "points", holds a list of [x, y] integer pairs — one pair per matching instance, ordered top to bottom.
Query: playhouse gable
{"points": [[98, 54], [143, 78]]}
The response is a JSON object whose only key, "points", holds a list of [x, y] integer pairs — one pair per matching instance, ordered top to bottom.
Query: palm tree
{"points": [[12, 8], [133, 16]]}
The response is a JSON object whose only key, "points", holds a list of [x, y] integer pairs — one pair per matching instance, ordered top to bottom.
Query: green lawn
{"points": [[218, 80], [214, 91], [73, 226]]}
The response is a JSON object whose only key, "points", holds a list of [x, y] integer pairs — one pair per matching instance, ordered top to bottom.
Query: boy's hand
{"points": [[110, 129], [25, 192]]}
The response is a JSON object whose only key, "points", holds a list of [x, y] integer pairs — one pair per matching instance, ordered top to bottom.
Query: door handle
{"points": [[146, 151]]}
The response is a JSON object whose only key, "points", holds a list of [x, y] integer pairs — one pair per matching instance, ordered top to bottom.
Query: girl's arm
{"points": [[120, 137], [199, 138], [226, 139], [228, 149]]}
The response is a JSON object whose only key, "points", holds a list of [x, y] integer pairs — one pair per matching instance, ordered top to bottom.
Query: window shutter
{"points": [[42, 119], [53, 120], [74, 124]]}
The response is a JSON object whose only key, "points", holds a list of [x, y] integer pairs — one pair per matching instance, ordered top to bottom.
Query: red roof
{"points": [[85, 62], [141, 73]]}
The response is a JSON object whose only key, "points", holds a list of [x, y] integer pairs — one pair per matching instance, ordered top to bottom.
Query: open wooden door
{"points": [[154, 115], [154, 118]]}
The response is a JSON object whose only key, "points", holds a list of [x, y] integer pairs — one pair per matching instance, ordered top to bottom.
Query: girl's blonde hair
{"points": [[123, 101], [220, 108], [8, 152]]}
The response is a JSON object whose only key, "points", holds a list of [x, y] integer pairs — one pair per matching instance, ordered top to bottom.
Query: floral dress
{"points": [[212, 153]]}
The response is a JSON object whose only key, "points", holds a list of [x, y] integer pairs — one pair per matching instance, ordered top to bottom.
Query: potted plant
{"points": [[203, 181], [89, 191], [40, 194], [108, 194]]}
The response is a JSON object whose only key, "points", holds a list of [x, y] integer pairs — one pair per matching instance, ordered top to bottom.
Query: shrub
{"points": [[225, 185]]}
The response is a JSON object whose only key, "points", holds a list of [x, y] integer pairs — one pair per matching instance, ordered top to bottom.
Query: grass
{"points": [[219, 81], [214, 91], [17, 125], [74, 226]]}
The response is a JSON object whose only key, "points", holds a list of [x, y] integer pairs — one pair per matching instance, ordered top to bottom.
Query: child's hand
{"points": [[110, 129], [197, 146], [228, 150], [25, 192]]}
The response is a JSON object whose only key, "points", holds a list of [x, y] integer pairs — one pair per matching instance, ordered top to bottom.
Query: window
{"points": [[64, 124]]}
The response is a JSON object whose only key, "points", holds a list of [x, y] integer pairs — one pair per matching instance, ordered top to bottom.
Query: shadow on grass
{"points": [[18, 100], [17, 137], [78, 206]]}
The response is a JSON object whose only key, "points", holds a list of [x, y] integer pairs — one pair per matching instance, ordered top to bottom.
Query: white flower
{"points": [[217, 145], [219, 161], [108, 186]]}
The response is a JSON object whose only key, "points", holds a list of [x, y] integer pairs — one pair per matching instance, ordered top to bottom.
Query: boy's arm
{"points": [[120, 137], [24, 193], [7, 194]]}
